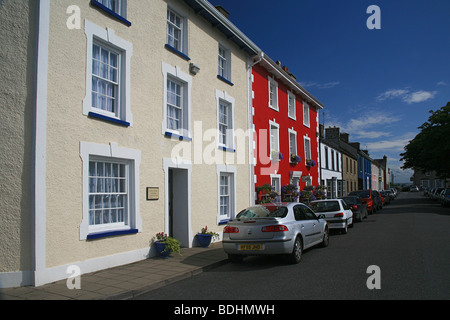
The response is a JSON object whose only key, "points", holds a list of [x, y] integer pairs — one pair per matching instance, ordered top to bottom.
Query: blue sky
{"points": [[377, 85]]}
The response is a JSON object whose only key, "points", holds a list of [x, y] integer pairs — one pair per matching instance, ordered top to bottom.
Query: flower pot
{"points": [[204, 239], [160, 247]]}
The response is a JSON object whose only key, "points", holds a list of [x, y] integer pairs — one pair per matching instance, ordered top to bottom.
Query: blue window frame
{"points": [[115, 8]]}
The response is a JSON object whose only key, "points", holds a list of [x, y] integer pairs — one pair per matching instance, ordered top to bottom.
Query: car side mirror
{"points": [[321, 216]]}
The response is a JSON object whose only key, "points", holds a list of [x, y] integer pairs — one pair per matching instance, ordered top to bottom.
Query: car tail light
{"points": [[355, 207], [339, 215], [276, 228], [231, 230]]}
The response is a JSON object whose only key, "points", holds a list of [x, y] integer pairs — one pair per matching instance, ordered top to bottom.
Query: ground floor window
{"points": [[110, 190], [226, 193]]}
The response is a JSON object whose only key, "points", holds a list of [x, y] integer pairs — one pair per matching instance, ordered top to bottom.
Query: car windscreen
{"points": [[325, 206], [263, 212]]}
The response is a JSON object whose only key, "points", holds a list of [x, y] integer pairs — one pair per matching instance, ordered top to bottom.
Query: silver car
{"points": [[336, 212], [271, 229]]}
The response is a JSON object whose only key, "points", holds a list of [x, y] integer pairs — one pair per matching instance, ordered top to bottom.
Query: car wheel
{"points": [[345, 229], [326, 238], [297, 251], [235, 258]]}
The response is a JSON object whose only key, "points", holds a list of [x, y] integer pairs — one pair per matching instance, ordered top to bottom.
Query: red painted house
{"points": [[286, 129]]}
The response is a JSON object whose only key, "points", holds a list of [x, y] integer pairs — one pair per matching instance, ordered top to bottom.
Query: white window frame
{"points": [[108, 39], [183, 46], [224, 57], [175, 74], [273, 91], [224, 97], [292, 110], [306, 116], [292, 133], [274, 143], [307, 148], [112, 153], [231, 172], [276, 187]]}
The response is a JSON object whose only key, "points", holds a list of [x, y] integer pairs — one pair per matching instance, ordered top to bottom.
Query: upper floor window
{"points": [[116, 8], [177, 33], [224, 64], [108, 76], [273, 94], [177, 101], [291, 105], [306, 114], [225, 120], [274, 141]]}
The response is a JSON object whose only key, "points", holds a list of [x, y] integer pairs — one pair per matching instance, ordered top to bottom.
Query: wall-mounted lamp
{"points": [[193, 68]]}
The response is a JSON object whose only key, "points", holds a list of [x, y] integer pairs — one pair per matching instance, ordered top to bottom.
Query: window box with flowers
{"points": [[276, 155], [294, 159], [310, 163], [289, 193]]}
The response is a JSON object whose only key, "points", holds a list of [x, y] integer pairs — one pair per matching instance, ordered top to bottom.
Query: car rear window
{"points": [[361, 194], [325, 206], [263, 212]]}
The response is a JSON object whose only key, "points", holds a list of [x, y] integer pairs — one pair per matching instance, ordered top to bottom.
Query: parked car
{"points": [[413, 189], [367, 197], [385, 197], [445, 197], [377, 200], [358, 207], [336, 212], [273, 229]]}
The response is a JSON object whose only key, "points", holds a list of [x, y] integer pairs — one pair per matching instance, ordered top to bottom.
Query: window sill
{"points": [[110, 12], [177, 52], [225, 80], [109, 119], [176, 136], [227, 149], [222, 222], [101, 235]]}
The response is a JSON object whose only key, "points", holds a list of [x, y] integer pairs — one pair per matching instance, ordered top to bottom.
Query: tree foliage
{"points": [[430, 149]]}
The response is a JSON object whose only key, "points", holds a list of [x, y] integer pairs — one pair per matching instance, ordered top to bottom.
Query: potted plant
{"points": [[276, 155], [295, 159], [310, 163], [264, 189], [289, 193], [205, 237], [165, 245]]}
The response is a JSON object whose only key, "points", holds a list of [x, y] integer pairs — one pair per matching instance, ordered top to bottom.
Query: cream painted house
{"points": [[120, 119]]}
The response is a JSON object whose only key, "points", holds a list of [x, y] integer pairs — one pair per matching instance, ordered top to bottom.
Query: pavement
{"points": [[128, 281]]}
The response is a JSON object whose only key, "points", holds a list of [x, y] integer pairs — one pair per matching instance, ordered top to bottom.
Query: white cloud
{"points": [[442, 83], [326, 85], [407, 96], [419, 96], [366, 125]]}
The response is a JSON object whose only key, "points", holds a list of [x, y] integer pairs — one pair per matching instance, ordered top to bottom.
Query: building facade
{"points": [[122, 119], [285, 124], [349, 158]]}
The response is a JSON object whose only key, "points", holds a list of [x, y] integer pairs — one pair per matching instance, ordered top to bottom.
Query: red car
{"points": [[366, 197]]}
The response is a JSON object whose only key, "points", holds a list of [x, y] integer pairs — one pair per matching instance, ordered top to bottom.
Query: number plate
{"points": [[246, 247]]}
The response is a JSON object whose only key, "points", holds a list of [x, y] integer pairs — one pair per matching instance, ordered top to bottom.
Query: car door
{"points": [[347, 212], [306, 226], [317, 226]]}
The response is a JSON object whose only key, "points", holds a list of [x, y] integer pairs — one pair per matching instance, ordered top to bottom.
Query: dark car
{"points": [[366, 197], [386, 197], [377, 200], [358, 207]]}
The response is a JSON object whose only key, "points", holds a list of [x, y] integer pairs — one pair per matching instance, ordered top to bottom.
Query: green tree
{"points": [[430, 149]]}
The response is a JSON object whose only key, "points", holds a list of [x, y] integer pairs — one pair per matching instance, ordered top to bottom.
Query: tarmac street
{"points": [[400, 252]]}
